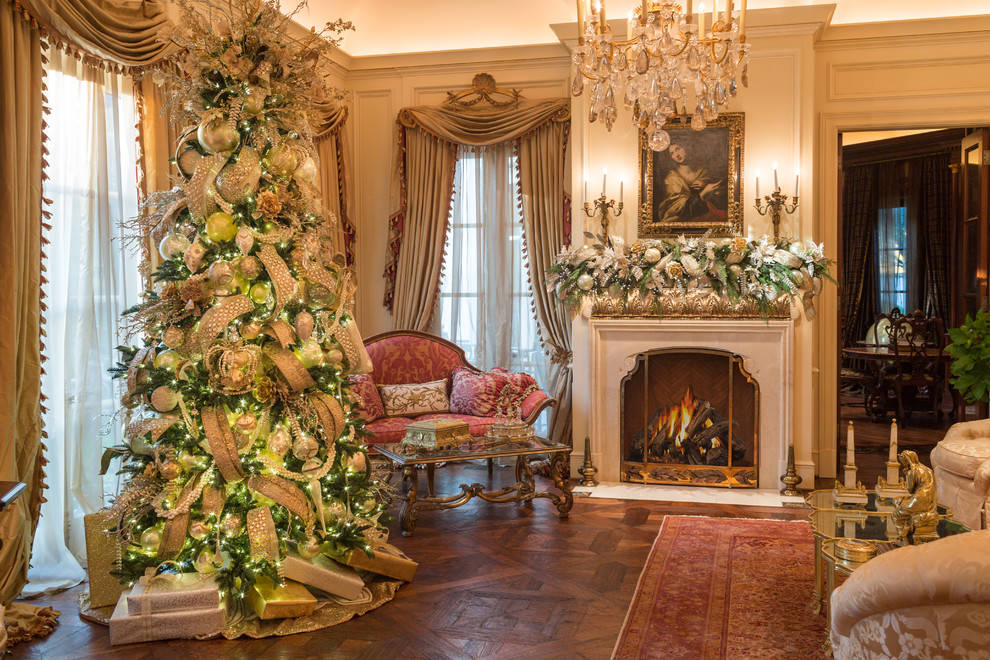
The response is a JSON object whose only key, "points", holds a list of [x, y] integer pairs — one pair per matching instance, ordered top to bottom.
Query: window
{"points": [[892, 246], [92, 278], [485, 295]]}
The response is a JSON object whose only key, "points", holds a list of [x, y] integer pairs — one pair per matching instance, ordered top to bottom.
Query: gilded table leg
{"points": [[559, 467], [430, 470], [407, 519], [829, 586], [816, 604]]}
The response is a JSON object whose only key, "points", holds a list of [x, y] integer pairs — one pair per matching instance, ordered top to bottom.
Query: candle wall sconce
{"points": [[776, 202], [605, 210]]}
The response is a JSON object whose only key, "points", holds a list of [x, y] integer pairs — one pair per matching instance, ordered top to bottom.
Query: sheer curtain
{"points": [[91, 280], [485, 298]]}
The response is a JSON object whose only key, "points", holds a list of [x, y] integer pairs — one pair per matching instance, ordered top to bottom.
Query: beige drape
{"points": [[120, 32], [157, 139], [21, 144], [331, 147], [541, 179], [422, 188], [420, 229]]}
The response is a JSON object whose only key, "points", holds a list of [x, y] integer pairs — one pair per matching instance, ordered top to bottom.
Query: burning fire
{"points": [[675, 420]]}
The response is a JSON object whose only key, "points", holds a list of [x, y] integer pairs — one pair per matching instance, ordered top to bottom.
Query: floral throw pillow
{"points": [[522, 386], [474, 393], [414, 398], [369, 403]]}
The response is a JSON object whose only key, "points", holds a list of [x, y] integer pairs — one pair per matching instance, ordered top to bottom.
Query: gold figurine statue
{"points": [[916, 515]]}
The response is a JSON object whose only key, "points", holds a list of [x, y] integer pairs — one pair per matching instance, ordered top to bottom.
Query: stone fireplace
{"points": [[760, 353], [689, 417]]}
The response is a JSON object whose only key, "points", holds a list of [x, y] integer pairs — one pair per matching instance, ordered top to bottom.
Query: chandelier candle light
{"points": [[670, 57], [776, 202]]}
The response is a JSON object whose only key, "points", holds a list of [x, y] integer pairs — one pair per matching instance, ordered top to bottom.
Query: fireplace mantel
{"points": [[765, 346]]}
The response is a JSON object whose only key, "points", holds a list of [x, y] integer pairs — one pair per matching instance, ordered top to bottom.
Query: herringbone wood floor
{"points": [[495, 581]]}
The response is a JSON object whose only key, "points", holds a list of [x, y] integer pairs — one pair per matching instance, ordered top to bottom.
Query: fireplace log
{"points": [[702, 413]]}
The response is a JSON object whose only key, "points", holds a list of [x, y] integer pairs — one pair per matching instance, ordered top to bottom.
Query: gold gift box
{"points": [[435, 435], [101, 554], [388, 561], [287, 601]]}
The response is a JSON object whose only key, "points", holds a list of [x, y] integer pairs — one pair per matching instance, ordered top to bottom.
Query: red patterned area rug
{"points": [[725, 588]]}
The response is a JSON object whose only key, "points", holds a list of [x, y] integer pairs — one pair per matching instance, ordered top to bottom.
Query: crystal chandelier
{"points": [[669, 58]]}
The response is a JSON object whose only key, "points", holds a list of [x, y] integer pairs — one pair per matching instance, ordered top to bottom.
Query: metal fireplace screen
{"points": [[689, 417]]}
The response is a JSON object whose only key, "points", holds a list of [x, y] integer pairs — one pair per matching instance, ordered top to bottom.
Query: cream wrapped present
{"points": [[388, 561], [324, 574], [171, 592], [128, 627]]}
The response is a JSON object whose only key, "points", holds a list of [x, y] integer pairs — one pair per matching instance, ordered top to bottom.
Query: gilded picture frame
{"points": [[693, 186]]}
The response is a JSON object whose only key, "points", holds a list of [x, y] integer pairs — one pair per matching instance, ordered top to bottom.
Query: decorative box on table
{"points": [[509, 431], [435, 435], [101, 552], [388, 561], [324, 574], [174, 593], [290, 600], [128, 625]]}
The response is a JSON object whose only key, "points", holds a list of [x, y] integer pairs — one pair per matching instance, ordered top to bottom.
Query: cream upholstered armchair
{"points": [[961, 462], [921, 601]]}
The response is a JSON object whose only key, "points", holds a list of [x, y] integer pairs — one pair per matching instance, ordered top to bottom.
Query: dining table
{"points": [[879, 358]]}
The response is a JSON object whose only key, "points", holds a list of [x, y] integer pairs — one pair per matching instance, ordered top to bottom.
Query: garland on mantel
{"points": [[759, 272]]}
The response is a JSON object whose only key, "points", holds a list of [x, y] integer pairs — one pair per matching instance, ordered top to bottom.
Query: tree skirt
{"points": [[725, 588], [328, 613]]}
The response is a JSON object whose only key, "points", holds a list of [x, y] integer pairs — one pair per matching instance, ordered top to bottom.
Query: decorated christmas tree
{"points": [[241, 448]]}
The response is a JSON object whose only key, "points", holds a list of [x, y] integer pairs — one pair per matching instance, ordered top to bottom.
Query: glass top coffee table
{"points": [[524, 490]]}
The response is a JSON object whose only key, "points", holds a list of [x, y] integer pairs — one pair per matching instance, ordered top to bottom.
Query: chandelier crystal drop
{"points": [[671, 64]]}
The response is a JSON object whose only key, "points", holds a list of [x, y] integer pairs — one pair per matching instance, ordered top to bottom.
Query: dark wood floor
{"points": [[495, 581]]}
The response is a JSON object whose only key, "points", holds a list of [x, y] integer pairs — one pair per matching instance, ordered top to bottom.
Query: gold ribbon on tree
{"points": [[281, 278], [217, 318], [281, 331], [134, 368], [295, 375], [331, 416], [223, 444], [284, 493], [174, 531], [262, 536]]}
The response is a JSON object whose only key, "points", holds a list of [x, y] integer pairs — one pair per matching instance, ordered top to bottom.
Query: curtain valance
{"points": [[114, 33], [331, 116], [485, 126]]}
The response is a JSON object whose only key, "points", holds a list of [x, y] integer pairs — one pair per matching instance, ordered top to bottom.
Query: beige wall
{"points": [[808, 82]]}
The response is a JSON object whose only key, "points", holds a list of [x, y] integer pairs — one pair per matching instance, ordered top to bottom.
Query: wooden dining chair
{"points": [[917, 375]]}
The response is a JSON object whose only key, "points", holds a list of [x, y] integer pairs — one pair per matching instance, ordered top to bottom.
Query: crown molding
{"points": [[912, 33], [538, 56]]}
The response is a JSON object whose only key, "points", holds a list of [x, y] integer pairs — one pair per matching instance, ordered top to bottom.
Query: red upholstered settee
{"points": [[407, 356]]}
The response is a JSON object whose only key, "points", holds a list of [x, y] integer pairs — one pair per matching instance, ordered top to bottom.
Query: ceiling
{"points": [[402, 26]]}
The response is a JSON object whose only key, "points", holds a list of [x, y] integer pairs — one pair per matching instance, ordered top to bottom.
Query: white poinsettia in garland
{"points": [[759, 272]]}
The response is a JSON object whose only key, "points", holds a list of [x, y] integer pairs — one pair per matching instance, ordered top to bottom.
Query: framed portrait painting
{"points": [[693, 186]]}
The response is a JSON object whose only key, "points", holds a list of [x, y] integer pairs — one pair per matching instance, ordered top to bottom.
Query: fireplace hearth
{"points": [[689, 417]]}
